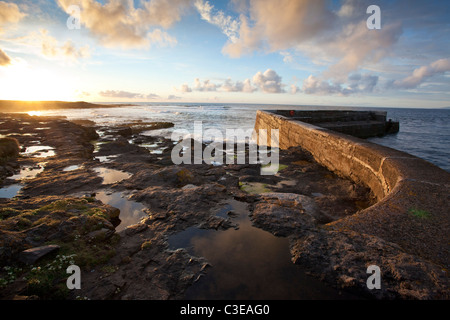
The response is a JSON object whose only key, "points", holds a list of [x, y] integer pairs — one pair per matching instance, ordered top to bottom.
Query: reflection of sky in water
{"points": [[39, 151], [72, 168], [29, 172], [111, 175], [10, 191], [130, 211], [248, 263]]}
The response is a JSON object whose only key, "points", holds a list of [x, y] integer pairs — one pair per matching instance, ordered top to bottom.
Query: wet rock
{"points": [[124, 132], [9, 147], [308, 204], [282, 220], [217, 223], [32, 255], [341, 259]]}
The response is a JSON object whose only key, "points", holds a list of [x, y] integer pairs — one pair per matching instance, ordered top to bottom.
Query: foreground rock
{"points": [[59, 207], [30, 256]]}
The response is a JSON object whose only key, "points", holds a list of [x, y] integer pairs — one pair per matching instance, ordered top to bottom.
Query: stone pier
{"points": [[413, 207]]}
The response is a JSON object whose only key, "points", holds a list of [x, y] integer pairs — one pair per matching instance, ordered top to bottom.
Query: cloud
{"points": [[10, 13], [119, 23], [228, 25], [278, 25], [335, 36], [356, 45], [51, 48], [4, 58], [419, 75], [269, 81], [355, 83], [313, 85], [205, 86], [238, 86], [184, 88], [294, 89], [127, 95], [173, 97]]}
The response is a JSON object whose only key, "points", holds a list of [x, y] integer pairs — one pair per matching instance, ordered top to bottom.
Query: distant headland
{"points": [[25, 106]]}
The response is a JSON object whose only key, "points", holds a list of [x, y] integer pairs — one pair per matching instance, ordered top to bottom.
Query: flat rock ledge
{"points": [[341, 257]]}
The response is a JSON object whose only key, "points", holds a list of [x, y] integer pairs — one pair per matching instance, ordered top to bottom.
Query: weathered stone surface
{"points": [[32, 255], [342, 257]]}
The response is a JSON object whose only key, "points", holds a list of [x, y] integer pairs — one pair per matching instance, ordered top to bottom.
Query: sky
{"points": [[300, 52]]}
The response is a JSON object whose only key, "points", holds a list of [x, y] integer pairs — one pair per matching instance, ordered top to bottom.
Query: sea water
{"points": [[424, 133]]}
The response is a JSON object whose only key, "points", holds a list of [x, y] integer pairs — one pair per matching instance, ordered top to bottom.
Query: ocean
{"points": [[424, 133]]}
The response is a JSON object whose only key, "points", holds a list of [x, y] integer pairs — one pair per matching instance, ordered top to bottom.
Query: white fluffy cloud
{"points": [[10, 13], [120, 23], [228, 25], [51, 48], [419, 75], [269, 81], [355, 83], [207, 85], [238, 86]]}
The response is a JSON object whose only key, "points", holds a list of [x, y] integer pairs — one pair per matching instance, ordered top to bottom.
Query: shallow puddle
{"points": [[153, 148], [39, 151], [105, 159], [72, 168], [28, 172], [111, 175], [10, 191], [131, 212], [247, 263]]}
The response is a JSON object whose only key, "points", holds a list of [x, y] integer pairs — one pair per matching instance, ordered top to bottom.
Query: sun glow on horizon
{"points": [[22, 82]]}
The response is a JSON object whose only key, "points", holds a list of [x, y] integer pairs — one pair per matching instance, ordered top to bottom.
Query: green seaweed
{"points": [[254, 187], [419, 213]]}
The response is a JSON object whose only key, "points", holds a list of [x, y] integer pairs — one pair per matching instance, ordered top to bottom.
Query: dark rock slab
{"points": [[32, 255]]}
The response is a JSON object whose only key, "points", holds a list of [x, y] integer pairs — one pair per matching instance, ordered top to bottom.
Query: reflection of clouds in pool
{"points": [[39, 151], [28, 172], [111, 175], [131, 212], [248, 263]]}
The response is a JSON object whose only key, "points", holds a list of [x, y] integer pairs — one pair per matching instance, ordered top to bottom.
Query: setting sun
{"points": [[22, 82]]}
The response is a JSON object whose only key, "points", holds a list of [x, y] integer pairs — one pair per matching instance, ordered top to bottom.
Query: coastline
{"points": [[27, 106], [303, 204]]}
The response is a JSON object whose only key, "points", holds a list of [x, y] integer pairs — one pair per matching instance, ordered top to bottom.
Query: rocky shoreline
{"points": [[58, 210]]}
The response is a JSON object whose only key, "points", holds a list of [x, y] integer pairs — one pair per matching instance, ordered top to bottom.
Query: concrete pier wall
{"points": [[378, 167], [403, 184]]}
